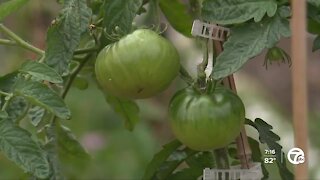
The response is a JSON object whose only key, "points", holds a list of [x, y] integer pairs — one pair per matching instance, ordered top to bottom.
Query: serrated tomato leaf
{"points": [[6, 8], [237, 11], [120, 14], [177, 14], [64, 35], [247, 41], [41, 71], [39, 94], [17, 109], [128, 109], [36, 115], [271, 139], [17, 145], [68, 145], [257, 156], [159, 158]]}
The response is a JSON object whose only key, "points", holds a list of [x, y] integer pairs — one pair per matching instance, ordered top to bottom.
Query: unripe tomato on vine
{"points": [[139, 65], [206, 121]]}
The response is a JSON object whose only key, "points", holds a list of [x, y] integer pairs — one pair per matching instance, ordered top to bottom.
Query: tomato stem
{"points": [[18, 41], [203, 65], [221, 157]]}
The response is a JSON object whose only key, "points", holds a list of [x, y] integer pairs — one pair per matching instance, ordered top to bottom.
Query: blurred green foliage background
{"points": [[120, 154]]}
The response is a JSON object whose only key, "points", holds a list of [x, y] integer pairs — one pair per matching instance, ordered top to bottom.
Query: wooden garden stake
{"points": [[299, 87], [243, 148]]}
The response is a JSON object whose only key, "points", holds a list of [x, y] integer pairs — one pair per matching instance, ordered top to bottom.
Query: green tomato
{"points": [[140, 65], [206, 121]]}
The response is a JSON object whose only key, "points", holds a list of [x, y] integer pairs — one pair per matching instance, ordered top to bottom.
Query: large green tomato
{"points": [[139, 65], [206, 121]]}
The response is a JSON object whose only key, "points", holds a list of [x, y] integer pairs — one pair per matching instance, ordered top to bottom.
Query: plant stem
{"points": [[7, 42], [20, 42], [84, 51], [203, 65], [74, 75], [5, 93], [7, 99], [221, 157]]}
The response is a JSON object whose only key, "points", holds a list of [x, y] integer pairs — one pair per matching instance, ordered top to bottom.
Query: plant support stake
{"points": [[299, 86]]}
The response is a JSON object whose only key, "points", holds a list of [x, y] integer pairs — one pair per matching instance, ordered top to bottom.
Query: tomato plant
{"points": [[117, 43], [134, 66], [206, 121]]}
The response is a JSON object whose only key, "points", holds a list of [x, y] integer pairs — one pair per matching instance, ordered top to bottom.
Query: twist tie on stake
{"points": [[210, 31]]}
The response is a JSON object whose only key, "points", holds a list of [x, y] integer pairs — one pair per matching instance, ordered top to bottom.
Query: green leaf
{"points": [[314, 2], [9, 7], [237, 11], [120, 14], [178, 16], [313, 26], [64, 35], [247, 41], [316, 44], [41, 71], [7, 81], [40, 95], [17, 109], [128, 109], [3, 115], [36, 115], [270, 138], [17, 145], [68, 146], [257, 156], [160, 158], [174, 160], [201, 160], [187, 174]]}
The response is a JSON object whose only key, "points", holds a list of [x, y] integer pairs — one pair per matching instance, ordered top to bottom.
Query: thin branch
{"points": [[7, 42], [20, 42], [84, 51], [203, 65], [74, 75], [5, 93]]}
